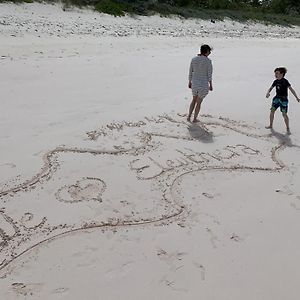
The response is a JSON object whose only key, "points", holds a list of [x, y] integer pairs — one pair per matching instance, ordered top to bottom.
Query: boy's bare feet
{"points": [[188, 118], [196, 121], [269, 127], [288, 131]]}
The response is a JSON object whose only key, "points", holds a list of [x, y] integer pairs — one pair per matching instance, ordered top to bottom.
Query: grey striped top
{"points": [[200, 70]]}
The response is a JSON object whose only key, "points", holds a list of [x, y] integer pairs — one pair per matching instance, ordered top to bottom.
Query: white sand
{"points": [[108, 193]]}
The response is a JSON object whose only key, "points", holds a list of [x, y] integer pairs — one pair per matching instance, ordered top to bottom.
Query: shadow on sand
{"points": [[199, 132], [284, 139]]}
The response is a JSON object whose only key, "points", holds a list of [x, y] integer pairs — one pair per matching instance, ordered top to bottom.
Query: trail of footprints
{"points": [[159, 150]]}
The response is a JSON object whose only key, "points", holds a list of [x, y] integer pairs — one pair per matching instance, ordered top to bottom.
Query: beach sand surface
{"points": [[107, 192]]}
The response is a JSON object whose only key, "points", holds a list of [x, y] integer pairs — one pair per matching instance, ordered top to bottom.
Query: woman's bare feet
{"points": [[188, 118], [196, 121], [269, 127]]}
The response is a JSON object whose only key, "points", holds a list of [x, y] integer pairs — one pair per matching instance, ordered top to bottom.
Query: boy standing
{"points": [[200, 80], [280, 100]]}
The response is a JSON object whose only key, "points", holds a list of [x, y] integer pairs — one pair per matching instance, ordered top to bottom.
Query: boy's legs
{"points": [[275, 104], [284, 110], [272, 113], [286, 121]]}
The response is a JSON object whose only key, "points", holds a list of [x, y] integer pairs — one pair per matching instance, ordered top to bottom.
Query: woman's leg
{"points": [[192, 106], [197, 109]]}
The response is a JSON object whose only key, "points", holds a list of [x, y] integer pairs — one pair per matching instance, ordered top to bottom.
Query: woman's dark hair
{"points": [[204, 49], [281, 70]]}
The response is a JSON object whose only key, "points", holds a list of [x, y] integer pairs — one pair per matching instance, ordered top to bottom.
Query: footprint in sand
{"points": [[28, 289], [60, 290]]}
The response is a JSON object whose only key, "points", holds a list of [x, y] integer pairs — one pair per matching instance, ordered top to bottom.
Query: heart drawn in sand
{"points": [[85, 189]]}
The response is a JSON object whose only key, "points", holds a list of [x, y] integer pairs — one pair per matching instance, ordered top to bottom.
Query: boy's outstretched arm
{"points": [[269, 91], [294, 93]]}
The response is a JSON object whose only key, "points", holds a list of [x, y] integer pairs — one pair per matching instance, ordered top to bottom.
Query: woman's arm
{"points": [[190, 75], [209, 75]]}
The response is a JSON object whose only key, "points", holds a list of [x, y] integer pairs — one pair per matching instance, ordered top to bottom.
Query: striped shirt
{"points": [[200, 70], [200, 74]]}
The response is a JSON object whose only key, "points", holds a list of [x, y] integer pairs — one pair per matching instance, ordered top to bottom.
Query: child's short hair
{"points": [[204, 49], [281, 70]]}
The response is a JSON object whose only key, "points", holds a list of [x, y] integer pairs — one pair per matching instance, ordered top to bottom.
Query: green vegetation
{"points": [[17, 1], [111, 7], [284, 12]]}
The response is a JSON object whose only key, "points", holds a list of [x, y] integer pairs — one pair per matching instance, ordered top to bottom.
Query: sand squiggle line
{"points": [[50, 165], [177, 204], [165, 218]]}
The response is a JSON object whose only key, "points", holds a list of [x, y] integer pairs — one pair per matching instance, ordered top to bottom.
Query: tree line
{"points": [[276, 6], [279, 6], [291, 7], [270, 11]]}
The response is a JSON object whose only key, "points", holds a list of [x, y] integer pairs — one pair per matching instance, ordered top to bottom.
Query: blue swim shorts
{"points": [[280, 102]]}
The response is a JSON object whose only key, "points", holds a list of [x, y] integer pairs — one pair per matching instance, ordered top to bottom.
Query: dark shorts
{"points": [[280, 102]]}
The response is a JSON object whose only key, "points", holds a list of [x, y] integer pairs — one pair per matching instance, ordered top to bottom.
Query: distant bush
{"points": [[17, 1], [279, 6], [110, 7], [268, 11]]}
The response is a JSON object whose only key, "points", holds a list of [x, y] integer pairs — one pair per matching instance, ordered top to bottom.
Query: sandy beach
{"points": [[107, 192]]}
